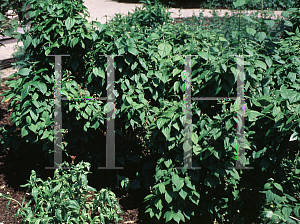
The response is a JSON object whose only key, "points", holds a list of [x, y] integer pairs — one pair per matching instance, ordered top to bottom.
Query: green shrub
{"points": [[152, 14], [8, 27], [56, 27], [22, 58], [149, 89], [63, 199], [280, 206]]}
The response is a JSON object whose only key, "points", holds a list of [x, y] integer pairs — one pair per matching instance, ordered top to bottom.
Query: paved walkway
{"points": [[99, 8]]}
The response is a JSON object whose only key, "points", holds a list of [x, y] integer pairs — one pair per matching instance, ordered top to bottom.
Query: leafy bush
{"points": [[152, 14], [294, 19], [8, 27], [55, 27], [22, 58], [149, 89], [63, 199], [279, 206]]}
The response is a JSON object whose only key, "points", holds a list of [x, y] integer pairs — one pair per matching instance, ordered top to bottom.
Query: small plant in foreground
{"points": [[63, 199]]}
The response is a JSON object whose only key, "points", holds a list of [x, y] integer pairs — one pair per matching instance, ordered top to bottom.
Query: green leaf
{"points": [[239, 3], [285, 14], [2, 17], [249, 19], [70, 23], [270, 23], [288, 23], [251, 31], [260, 36], [222, 39], [27, 41], [74, 41], [164, 49], [133, 50], [47, 52], [203, 55], [269, 61], [260, 64], [224, 67], [24, 71], [176, 71], [234, 71], [99, 72], [40, 86], [176, 87], [25, 92], [289, 94], [35, 96], [276, 111], [34, 115], [252, 115], [28, 120], [161, 122], [228, 124], [176, 126], [24, 131], [166, 132], [45, 134], [294, 137], [194, 138], [168, 163], [177, 182], [188, 183], [267, 186], [278, 186], [56, 188], [162, 188], [35, 194], [183, 194], [270, 196], [168, 197], [73, 204], [286, 211], [296, 211], [168, 215], [176, 217]]}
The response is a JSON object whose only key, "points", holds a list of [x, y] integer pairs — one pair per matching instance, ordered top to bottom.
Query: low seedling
{"points": [[63, 199]]}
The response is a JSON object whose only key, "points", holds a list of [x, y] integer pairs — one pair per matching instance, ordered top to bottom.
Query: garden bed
{"points": [[16, 172]]}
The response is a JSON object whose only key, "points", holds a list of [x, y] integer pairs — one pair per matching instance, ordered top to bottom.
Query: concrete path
{"points": [[98, 10]]}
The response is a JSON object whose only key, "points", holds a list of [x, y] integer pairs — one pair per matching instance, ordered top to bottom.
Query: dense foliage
{"points": [[8, 27], [149, 89], [63, 199]]}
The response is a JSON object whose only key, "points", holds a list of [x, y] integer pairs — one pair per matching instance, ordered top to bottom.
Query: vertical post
{"points": [[57, 114], [110, 124], [188, 144], [188, 148], [241, 158]]}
